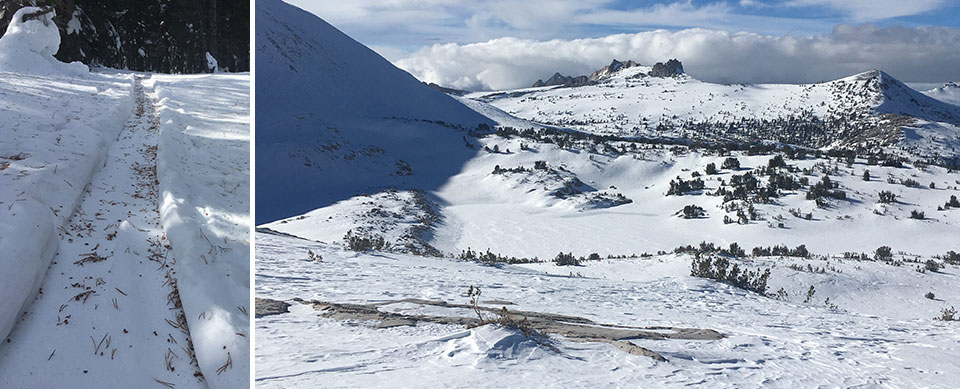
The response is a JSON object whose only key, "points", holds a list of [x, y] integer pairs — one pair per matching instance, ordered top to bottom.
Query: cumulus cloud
{"points": [[921, 54]]}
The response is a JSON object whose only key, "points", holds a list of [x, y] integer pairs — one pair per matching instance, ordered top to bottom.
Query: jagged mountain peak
{"points": [[671, 68]]}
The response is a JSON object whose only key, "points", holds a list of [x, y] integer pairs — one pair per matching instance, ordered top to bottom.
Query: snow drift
{"points": [[29, 46], [205, 213]]}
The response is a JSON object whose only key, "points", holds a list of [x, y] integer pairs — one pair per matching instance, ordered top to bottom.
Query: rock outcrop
{"points": [[670, 69], [559, 79]]}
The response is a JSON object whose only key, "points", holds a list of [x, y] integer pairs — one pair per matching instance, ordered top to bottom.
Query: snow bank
{"points": [[29, 46], [55, 133], [203, 168]]}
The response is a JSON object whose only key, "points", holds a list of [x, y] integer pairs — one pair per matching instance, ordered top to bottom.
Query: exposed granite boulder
{"points": [[266, 307]]}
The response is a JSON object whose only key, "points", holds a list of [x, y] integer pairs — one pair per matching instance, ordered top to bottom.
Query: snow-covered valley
{"points": [[124, 222], [637, 228]]}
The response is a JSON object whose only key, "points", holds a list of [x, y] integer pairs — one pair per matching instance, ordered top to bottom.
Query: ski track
{"points": [[65, 336]]}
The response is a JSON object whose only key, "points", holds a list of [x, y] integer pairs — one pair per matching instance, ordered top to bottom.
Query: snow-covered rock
{"points": [[29, 46]]}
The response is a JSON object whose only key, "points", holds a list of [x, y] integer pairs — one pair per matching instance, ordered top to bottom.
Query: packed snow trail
{"points": [[108, 310]]}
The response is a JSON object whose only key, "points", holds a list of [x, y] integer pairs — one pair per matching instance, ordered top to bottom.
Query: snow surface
{"points": [[55, 133], [109, 215], [880, 335]]}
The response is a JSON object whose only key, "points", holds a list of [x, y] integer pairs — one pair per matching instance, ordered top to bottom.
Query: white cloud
{"points": [[873, 10], [922, 54]]}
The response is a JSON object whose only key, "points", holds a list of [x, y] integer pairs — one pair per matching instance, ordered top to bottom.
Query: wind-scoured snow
{"points": [[877, 335]]}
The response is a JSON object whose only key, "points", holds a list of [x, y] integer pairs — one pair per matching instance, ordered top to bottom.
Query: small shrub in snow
{"points": [[776, 161], [731, 163], [711, 168], [866, 175], [909, 182], [679, 187], [887, 197], [952, 203], [692, 212], [917, 214], [363, 243], [883, 253], [313, 257], [952, 258], [566, 260], [932, 266], [718, 269], [810, 292], [929, 295], [948, 314]]}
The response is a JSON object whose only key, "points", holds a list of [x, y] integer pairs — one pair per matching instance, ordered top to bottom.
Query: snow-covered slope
{"points": [[328, 104], [870, 109]]}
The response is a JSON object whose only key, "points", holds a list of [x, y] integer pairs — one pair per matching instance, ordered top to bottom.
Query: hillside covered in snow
{"points": [[335, 106], [633, 227], [125, 240]]}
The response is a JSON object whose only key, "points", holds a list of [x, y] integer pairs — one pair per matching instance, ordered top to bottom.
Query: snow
{"points": [[73, 26], [28, 47], [211, 62], [55, 134], [432, 190], [108, 210], [205, 213], [881, 334]]}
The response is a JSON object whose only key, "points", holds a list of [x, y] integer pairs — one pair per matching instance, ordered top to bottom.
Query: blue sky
{"points": [[415, 34]]}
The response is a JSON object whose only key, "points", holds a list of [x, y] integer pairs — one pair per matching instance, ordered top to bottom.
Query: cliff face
{"points": [[165, 36]]}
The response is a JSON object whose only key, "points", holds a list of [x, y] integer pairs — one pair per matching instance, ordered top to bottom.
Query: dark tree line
{"points": [[166, 36]]}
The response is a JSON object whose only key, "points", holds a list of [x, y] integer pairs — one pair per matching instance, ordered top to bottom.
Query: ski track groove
{"points": [[112, 256]]}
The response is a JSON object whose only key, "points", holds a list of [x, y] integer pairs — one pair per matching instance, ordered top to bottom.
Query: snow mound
{"points": [[29, 46], [490, 342]]}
